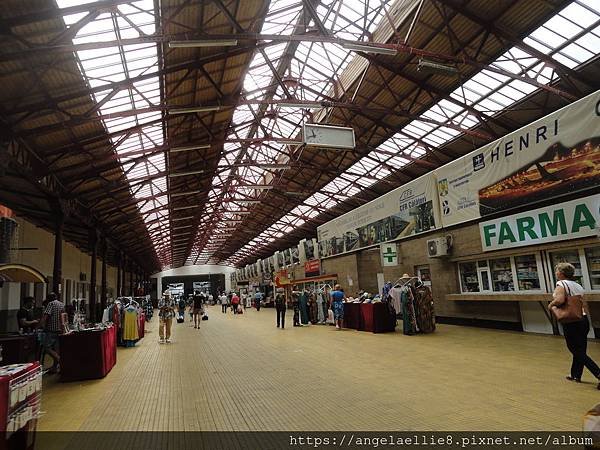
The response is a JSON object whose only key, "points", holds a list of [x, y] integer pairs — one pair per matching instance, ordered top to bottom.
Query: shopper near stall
{"points": [[258, 299], [235, 302], [198, 305], [337, 305], [280, 307], [166, 313], [25, 318], [52, 325], [575, 332]]}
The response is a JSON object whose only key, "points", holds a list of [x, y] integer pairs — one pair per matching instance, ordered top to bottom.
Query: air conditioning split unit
{"points": [[436, 248]]}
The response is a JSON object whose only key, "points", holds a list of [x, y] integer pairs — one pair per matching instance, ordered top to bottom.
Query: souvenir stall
{"points": [[20, 403]]}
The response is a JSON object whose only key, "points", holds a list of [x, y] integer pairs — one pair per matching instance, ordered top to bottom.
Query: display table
{"points": [[352, 316], [375, 317], [18, 348], [86, 355], [20, 402]]}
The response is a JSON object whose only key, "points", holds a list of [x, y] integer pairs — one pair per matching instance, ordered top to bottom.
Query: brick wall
{"points": [[369, 265], [346, 268]]}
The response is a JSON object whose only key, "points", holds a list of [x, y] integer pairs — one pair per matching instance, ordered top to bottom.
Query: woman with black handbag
{"points": [[571, 311]]}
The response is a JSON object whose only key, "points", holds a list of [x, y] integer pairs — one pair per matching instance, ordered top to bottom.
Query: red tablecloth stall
{"points": [[372, 317], [86, 355]]}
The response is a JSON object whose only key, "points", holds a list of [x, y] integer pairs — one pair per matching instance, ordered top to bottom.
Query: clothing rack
{"points": [[404, 280]]}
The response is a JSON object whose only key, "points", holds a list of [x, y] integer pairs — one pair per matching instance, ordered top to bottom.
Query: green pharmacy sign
{"points": [[568, 220], [389, 254]]}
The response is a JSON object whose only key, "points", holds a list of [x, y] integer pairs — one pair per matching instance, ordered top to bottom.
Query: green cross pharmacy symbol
{"points": [[389, 254]]}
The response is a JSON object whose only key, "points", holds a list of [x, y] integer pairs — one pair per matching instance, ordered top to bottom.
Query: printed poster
{"points": [[554, 156], [408, 210]]}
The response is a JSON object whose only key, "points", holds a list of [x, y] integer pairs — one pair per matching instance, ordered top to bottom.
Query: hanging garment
{"points": [[386, 291], [394, 298], [296, 305], [304, 308], [424, 309], [313, 311], [408, 312], [321, 313], [105, 315], [130, 325]]}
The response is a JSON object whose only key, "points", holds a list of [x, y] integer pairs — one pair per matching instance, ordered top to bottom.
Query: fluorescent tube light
{"points": [[201, 43], [367, 48], [427, 66], [300, 105], [195, 109], [189, 148], [273, 166], [184, 174], [258, 187], [180, 194], [299, 194], [247, 202], [179, 208], [241, 213], [181, 218], [182, 227]]}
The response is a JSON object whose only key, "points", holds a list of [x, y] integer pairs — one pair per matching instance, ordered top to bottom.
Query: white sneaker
{"points": [[161, 341], [168, 341]]}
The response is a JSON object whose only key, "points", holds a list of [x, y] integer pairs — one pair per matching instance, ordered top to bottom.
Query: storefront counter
{"points": [[86, 355]]}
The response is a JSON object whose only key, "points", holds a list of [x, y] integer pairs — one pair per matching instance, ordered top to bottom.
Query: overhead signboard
{"points": [[328, 136], [554, 156], [408, 210], [568, 220]]}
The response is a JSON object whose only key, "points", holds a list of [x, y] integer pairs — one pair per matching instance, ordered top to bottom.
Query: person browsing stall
{"points": [[337, 305], [25, 318], [53, 326]]}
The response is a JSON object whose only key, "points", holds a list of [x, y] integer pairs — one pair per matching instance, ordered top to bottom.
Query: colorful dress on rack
{"points": [[304, 308], [424, 309], [408, 312], [322, 313], [130, 327]]}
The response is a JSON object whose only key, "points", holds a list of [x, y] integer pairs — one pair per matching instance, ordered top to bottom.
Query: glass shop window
{"points": [[569, 256], [593, 262], [502, 277], [528, 277], [469, 281]]}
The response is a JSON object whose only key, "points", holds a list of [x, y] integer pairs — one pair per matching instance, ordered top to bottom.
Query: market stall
{"points": [[376, 317], [88, 354], [20, 402]]}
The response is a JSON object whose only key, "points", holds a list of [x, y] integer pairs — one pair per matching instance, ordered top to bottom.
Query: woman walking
{"points": [[575, 332]]}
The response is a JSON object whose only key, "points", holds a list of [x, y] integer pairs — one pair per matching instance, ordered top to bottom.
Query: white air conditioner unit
{"points": [[437, 248]]}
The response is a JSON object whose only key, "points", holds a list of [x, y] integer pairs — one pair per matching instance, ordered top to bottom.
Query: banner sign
{"points": [[556, 155], [408, 210], [568, 220], [389, 254], [312, 268], [282, 278]]}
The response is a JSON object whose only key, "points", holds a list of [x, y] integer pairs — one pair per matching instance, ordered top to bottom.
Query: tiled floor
{"points": [[242, 373]]}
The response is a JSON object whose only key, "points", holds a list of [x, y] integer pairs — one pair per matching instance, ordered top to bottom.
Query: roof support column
{"points": [[58, 239], [93, 245], [103, 279]]}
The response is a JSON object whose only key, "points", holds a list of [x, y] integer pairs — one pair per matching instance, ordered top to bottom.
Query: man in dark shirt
{"points": [[198, 305], [280, 306], [25, 316]]}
